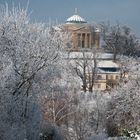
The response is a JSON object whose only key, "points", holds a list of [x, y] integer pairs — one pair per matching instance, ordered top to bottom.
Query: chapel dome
{"points": [[75, 19]]}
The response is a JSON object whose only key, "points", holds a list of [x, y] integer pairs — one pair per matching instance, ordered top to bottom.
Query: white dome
{"points": [[75, 19]]}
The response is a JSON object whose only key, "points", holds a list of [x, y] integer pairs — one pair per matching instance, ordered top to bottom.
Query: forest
{"points": [[40, 92]]}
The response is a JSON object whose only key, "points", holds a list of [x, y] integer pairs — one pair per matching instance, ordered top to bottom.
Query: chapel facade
{"points": [[83, 35]]}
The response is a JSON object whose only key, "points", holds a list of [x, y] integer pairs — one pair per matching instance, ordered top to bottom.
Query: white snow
{"points": [[75, 18], [107, 64]]}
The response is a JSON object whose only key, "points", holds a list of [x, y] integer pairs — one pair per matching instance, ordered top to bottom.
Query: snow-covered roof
{"points": [[75, 19], [57, 28], [97, 30], [74, 55], [80, 55], [105, 55], [107, 64]]}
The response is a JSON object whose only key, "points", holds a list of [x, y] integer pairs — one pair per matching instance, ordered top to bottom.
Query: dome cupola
{"points": [[75, 18]]}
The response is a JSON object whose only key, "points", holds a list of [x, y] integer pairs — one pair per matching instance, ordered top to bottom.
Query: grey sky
{"points": [[124, 11]]}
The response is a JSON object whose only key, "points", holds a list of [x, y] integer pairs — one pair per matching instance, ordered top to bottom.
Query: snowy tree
{"points": [[119, 40], [27, 50], [85, 66], [59, 95], [124, 106], [89, 118]]}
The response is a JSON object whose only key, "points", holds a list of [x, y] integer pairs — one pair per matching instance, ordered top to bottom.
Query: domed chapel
{"points": [[83, 35]]}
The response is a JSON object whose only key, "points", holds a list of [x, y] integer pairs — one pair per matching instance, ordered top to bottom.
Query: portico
{"points": [[84, 35]]}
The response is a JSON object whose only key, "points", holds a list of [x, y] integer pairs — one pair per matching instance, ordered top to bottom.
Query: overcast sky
{"points": [[126, 12]]}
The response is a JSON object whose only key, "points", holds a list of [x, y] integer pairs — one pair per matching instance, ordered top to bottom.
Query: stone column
{"points": [[97, 38], [73, 40], [78, 40], [81, 40], [89, 40], [86, 41]]}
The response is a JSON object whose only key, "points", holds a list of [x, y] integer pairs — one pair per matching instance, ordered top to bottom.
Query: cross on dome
{"points": [[75, 10]]}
